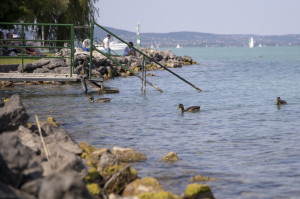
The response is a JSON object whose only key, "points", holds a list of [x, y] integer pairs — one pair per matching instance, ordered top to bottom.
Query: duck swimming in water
{"points": [[100, 100], [279, 101], [190, 109]]}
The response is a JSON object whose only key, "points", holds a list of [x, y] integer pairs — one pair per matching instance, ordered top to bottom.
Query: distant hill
{"points": [[198, 39]]}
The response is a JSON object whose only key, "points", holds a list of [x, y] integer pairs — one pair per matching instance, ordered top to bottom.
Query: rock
{"points": [[187, 59], [32, 66], [42, 70], [62, 70], [5, 84], [12, 114], [53, 122], [30, 139], [128, 154], [96, 155], [170, 157], [61, 160], [107, 160], [18, 163], [117, 177], [199, 178], [66, 185], [138, 186], [32, 187], [198, 191], [8, 192], [160, 195], [115, 196]]}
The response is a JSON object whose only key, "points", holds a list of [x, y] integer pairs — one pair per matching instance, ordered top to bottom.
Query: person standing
{"points": [[106, 44], [129, 50]]}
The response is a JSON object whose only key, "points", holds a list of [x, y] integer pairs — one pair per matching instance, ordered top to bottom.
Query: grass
{"points": [[12, 60]]}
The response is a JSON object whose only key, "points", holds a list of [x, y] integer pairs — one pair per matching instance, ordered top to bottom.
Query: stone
{"points": [[62, 70], [6, 84], [12, 114], [65, 141], [128, 154], [170, 157], [62, 160], [107, 160], [18, 164], [117, 178], [199, 178], [66, 185], [138, 186], [198, 191], [9, 192]]}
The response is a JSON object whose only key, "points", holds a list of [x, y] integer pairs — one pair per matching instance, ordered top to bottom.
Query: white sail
{"points": [[251, 42], [178, 46]]}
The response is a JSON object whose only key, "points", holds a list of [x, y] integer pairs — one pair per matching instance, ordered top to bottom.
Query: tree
{"points": [[77, 12]]}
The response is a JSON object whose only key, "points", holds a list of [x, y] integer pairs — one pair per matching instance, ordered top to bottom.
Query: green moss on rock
{"points": [[108, 171], [92, 175], [198, 178], [149, 181], [94, 189], [194, 189], [160, 195]]}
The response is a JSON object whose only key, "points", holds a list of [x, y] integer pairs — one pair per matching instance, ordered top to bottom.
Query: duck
{"points": [[100, 100], [279, 101], [190, 109]]}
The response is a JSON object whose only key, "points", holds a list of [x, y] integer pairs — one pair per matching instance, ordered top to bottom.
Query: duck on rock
{"points": [[100, 100], [280, 101], [190, 109]]}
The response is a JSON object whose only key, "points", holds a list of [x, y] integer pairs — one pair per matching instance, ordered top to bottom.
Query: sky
{"points": [[261, 17]]}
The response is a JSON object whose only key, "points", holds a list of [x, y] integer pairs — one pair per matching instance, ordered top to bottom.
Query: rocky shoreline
{"points": [[46, 163], [65, 169]]}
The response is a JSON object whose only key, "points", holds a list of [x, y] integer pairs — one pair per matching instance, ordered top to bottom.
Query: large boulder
{"points": [[12, 114], [61, 160], [18, 163], [65, 185]]}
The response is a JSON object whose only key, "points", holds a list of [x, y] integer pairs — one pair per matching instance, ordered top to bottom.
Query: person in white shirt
{"points": [[106, 44], [129, 50]]}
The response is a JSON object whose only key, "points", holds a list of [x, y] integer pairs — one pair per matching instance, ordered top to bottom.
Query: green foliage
{"points": [[77, 12]]}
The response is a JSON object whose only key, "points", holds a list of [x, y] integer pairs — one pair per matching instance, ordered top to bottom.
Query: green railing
{"points": [[24, 40], [137, 50]]}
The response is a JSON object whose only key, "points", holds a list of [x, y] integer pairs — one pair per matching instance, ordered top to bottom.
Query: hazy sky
{"points": [[263, 17]]}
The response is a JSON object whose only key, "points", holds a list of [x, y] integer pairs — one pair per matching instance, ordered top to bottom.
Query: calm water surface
{"points": [[239, 137]]}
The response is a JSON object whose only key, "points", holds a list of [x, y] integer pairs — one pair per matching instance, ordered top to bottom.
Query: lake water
{"points": [[239, 137]]}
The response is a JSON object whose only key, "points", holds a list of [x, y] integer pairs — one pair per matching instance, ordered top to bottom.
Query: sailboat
{"points": [[251, 42], [178, 46], [152, 47]]}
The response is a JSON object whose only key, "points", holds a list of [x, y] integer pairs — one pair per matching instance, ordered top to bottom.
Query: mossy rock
{"points": [[52, 122], [128, 154], [170, 157], [93, 175], [122, 178], [199, 178], [147, 184], [93, 189], [198, 191], [160, 195]]}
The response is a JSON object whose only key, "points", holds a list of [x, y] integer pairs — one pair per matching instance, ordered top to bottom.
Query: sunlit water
{"points": [[239, 137]]}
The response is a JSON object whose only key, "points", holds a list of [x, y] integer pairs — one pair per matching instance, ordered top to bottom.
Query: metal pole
{"points": [[22, 47], [91, 49], [72, 50], [142, 82]]}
